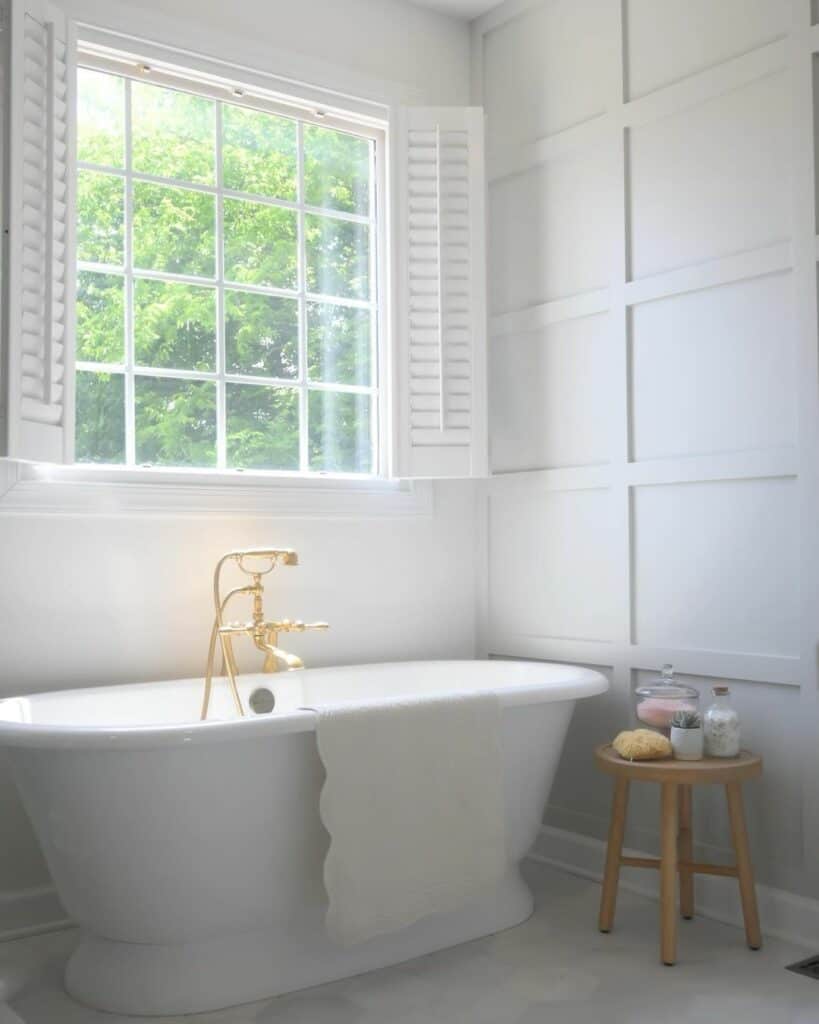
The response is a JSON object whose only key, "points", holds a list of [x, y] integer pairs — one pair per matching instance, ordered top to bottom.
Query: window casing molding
{"points": [[166, 37], [327, 86], [222, 89], [28, 488], [82, 489]]}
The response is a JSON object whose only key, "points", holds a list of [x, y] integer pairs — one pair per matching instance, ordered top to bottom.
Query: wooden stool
{"points": [[676, 779]]}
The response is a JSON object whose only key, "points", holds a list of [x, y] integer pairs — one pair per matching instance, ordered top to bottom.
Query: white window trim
{"points": [[221, 89], [29, 488], [84, 489]]}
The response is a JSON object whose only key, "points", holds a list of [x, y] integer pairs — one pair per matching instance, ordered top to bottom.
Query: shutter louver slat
{"points": [[31, 345], [34, 411], [38, 416], [442, 419]]}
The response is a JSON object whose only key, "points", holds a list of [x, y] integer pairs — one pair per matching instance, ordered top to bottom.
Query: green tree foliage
{"points": [[101, 121], [172, 134], [325, 152], [259, 153], [100, 218], [174, 230], [261, 244], [338, 257], [100, 317], [175, 326], [261, 334], [338, 343], [100, 415], [175, 421], [264, 427], [339, 436]]}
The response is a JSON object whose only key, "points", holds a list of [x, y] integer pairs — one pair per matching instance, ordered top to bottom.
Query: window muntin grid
{"points": [[300, 390]]}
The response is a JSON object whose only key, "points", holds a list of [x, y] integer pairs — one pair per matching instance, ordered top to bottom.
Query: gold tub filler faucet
{"points": [[256, 563]]}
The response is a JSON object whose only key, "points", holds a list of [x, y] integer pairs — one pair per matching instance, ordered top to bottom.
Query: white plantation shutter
{"points": [[440, 372], [39, 386]]}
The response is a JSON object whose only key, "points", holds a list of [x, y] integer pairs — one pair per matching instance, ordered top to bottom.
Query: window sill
{"points": [[28, 488]]}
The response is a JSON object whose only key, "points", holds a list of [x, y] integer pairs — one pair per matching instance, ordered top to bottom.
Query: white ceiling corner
{"points": [[466, 9]]}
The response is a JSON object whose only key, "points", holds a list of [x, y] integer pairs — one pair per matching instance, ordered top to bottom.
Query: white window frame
{"points": [[309, 86], [220, 88]]}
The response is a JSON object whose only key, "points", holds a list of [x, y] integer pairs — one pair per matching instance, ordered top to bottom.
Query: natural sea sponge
{"points": [[642, 745]]}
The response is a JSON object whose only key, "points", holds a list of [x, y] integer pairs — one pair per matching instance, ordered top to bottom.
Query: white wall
{"points": [[386, 39], [373, 47], [653, 378], [110, 599], [90, 601]]}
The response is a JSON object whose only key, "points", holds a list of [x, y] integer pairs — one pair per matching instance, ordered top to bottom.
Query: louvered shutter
{"points": [[440, 355], [38, 416]]}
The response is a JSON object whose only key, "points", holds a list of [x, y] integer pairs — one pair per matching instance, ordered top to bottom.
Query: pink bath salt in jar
{"points": [[657, 701]]}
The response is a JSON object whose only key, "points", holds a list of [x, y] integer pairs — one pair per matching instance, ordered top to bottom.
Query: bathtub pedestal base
{"points": [[158, 980]]}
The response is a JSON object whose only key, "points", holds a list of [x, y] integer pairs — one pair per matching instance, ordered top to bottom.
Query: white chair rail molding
{"points": [[409, 439]]}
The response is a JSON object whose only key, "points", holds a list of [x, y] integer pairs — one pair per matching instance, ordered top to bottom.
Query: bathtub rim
{"points": [[583, 682]]}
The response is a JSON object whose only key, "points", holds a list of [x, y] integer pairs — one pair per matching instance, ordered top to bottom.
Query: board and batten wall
{"points": [[653, 381]]}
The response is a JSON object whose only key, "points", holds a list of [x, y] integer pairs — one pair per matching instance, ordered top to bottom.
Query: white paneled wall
{"points": [[667, 41], [535, 84], [707, 181], [530, 214], [705, 364], [653, 382], [549, 396], [550, 560], [716, 566]]}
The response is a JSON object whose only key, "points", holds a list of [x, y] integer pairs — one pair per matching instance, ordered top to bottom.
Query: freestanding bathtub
{"points": [[191, 853]]}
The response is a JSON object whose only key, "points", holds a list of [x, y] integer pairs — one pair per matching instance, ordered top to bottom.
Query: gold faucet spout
{"points": [[274, 654]]}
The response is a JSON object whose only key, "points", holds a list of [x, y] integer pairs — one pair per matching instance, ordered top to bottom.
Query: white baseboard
{"points": [[29, 912], [783, 915]]}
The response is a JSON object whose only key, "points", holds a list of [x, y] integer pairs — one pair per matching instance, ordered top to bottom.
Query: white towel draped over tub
{"points": [[413, 802]]}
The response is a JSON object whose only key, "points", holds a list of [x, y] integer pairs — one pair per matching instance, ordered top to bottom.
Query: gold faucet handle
{"points": [[295, 626], [236, 628]]}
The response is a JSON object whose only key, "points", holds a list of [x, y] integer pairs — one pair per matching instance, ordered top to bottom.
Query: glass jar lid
{"points": [[666, 688], [668, 691]]}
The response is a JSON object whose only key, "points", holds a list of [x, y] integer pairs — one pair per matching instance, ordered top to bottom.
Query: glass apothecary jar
{"points": [[657, 701], [721, 725]]}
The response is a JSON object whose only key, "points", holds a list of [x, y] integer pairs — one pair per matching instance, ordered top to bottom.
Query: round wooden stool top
{"points": [[686, 773]]}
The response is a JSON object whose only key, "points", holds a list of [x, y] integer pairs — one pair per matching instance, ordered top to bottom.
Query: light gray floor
{"points": [[554, 969]]}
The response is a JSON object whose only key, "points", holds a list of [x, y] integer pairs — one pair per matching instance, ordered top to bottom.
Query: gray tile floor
{"points": [[554, 969]]}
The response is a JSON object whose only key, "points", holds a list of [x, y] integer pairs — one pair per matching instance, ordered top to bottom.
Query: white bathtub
{"points": [[191, 853]]}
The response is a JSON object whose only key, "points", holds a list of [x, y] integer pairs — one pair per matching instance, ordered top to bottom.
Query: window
{"points": [[230, 249], [227, 292]]}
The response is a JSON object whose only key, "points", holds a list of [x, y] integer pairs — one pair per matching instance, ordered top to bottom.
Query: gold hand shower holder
{"points": [[263, 633]]}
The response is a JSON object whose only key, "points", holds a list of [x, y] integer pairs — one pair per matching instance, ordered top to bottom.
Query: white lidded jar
{"points": [[721, 725]]}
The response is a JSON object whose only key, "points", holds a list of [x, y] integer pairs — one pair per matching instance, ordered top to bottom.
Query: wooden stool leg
{"points": [[614, 850], [685, 853], [668, 873], [745, 873]]}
